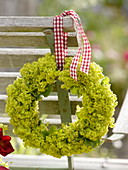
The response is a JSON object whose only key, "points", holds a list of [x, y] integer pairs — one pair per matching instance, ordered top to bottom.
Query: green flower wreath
{"points": [[93, 118]]}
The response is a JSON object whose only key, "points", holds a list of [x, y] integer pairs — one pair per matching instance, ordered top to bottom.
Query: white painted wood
{"points": [[7, 22], [22, 34], [28, 34], [30, 39], [30, 51], [16, 57], [9, 74], [49, 98], [49, 105], [51, 121], [122, 121], [115, 137], [80, 163]]}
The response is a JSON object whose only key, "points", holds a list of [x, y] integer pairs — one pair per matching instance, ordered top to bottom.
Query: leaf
{"points": [[105, 80], [74, 90], [47, 92], [39, 98], [44, 116], [52, 129], [45, 133], [87, 142]]}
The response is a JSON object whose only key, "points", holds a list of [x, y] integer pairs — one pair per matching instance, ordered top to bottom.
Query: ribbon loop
{"points": [[60, 39], [84, 48]]}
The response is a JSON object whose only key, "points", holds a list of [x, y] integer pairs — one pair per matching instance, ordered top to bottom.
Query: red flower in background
{"points": [[126, 56], [5, 145], [3, 168]]}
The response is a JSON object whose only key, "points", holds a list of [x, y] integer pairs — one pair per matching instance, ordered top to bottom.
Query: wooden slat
{"points": [[20, 23], [30, 39], [24, 51], [17, 57], [7, 62], [9, 74], [7, 78], [4, 82], [52, 97], [49, 105], [46, 107], [51, 119], [5, 120], [122, 121], [10, 126], [115, 137], [43, 162]]}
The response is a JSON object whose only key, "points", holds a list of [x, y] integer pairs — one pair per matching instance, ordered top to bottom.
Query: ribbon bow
{"points": [[60, 37]]}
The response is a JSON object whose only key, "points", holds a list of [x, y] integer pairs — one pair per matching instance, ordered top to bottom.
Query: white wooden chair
{"points": [[22, 39], [121, 127]]}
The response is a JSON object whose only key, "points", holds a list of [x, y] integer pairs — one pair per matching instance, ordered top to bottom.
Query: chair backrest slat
{"points": [[23, 23], [30, 39]]}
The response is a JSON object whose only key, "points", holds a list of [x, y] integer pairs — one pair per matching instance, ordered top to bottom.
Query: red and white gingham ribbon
{"points": [[60, 38]]}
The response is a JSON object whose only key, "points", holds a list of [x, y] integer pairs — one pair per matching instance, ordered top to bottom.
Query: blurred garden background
{"points": [[106, 26]]}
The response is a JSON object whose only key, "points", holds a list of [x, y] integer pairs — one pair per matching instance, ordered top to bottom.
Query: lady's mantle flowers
{"points": [[93, 118]]}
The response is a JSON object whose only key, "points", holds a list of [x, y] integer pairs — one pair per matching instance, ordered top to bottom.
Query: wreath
{"points": [[93, 118]]}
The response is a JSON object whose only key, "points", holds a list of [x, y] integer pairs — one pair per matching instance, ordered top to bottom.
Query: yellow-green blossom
{"points": [[93, 118]]}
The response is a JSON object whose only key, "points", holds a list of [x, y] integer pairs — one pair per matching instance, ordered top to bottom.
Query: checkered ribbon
{"points": [[60, 37]]}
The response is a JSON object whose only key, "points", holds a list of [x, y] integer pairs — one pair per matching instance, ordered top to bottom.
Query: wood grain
{"points": [[23, 23], [30, 39], [17, 57], [48, 105]]}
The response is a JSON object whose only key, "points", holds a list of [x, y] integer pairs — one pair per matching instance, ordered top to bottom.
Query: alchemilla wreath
{"points": [[93, 118]]}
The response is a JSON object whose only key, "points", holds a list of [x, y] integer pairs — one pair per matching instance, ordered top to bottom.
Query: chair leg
{"points": [[63, 97], [64, 103], [65, 112], [70, 163]]}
